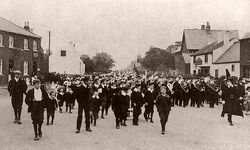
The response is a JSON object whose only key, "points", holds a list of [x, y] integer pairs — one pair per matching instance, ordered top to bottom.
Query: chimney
{"points": [[26, 26], [203, 27], [208, 27]]}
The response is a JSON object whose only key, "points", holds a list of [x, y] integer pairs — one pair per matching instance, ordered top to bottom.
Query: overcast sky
{"points": [[123, 28]]}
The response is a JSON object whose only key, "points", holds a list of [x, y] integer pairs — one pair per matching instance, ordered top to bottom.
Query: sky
{"points": [[123, 28]]}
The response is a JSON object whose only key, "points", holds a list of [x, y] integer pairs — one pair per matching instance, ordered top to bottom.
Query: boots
{"points": [[19, 111], [151, 118], [117, 123], [163, 128], [35, 130], [40, 130]]}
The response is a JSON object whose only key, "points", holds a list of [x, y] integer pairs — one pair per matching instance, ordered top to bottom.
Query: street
{"points": [[187, 128]]}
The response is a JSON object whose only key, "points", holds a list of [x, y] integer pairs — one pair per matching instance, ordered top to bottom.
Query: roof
{"points": [[8, 26], [246, 36], [198, 38], [209, 48], [231, 55], [186, 57]]}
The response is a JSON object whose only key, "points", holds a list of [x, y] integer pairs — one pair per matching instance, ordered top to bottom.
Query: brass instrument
{"points": [[198, 86], [213, 86], [184, 87]]}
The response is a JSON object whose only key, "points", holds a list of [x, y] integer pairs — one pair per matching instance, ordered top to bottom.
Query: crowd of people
{"points": [[125, 93]]}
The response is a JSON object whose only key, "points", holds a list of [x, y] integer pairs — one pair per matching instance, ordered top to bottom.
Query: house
{"points": [[193, 40], [20, 49], [245, 56], [215, 58], [66, 61]]}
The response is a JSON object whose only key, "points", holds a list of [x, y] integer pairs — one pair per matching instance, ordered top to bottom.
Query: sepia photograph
{"points": [[125, 74]]}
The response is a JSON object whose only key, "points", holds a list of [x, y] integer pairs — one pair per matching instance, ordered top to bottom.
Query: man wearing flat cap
{"points": [[17, 87]]}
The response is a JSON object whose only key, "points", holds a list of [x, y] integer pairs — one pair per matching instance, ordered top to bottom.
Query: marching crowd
{"points": [[125, 93]]}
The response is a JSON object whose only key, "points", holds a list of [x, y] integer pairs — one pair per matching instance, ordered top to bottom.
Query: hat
{"points": [[17, 72], [36, 81], [163, 86]]}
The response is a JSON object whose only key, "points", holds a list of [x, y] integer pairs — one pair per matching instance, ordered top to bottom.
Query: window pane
{"points": [[1, 40], [26, 44], [34, 45], [1, 66], [25, 67]]}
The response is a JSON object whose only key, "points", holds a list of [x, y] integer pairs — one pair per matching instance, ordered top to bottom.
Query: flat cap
{"points": [[17, 72]]}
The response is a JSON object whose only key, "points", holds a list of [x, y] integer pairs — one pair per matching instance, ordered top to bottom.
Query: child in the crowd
{"points": [[61, 97], [70, 98], [247, 101], [52, 105], [95, 106]]}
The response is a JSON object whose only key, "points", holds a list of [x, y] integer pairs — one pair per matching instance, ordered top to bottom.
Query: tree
{"points": [[155, 59], [103, 62]]}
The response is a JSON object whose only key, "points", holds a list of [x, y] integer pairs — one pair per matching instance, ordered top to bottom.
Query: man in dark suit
{"points": [[17, 87], [83, 95], [37, 99], [137, 102]]}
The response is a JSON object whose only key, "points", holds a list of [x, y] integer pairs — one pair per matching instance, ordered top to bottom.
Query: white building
{"points": [[218, 56], [66, 61]]}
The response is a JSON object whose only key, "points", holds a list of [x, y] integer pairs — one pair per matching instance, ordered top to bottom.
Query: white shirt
{"points": [[37, 94]]}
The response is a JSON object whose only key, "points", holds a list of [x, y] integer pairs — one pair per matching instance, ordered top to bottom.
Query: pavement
{"points": [[187, 129]]}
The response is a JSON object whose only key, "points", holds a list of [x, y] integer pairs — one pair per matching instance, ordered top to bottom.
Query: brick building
{"points": [[20, 49], [245, 56]]}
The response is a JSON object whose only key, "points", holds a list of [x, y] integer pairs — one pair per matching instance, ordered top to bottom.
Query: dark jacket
{"points": [[17, 88], [83, 95], [150, 97], [137, 99], [29, 100], [163, 103], [52, 104], [95, 104], [232, 104]]}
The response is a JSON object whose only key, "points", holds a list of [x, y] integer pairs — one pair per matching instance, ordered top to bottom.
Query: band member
{"points": [[17, 87], [176, 90], [184, 93], [212, 93], [83, 95], [150, 96], [109, 98], [37, 99], [137, 102], [163, 104], [231, 104], [52, 105], [125, 105], [95, 106], [116, 107]]}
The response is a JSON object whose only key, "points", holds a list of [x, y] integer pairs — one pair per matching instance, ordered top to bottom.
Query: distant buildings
{"points": [[20, 49], [209, 52], [66, 61]]}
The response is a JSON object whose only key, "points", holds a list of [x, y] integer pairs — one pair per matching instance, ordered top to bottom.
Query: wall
{"points": [[244, 55], [202, 57], [179, 63], [69, 64], [222, 69]]}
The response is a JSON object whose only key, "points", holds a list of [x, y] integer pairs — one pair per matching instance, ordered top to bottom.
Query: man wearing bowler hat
{"points": [[17, 87]]}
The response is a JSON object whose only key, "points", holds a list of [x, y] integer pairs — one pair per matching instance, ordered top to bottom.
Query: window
{"points": [[1, 40], [11, 42], [26, 44], [34, 45], [63, 52], [206, 58], [1, 66], [25, 67], [233, 68], [246, 72], [216, 73]]}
